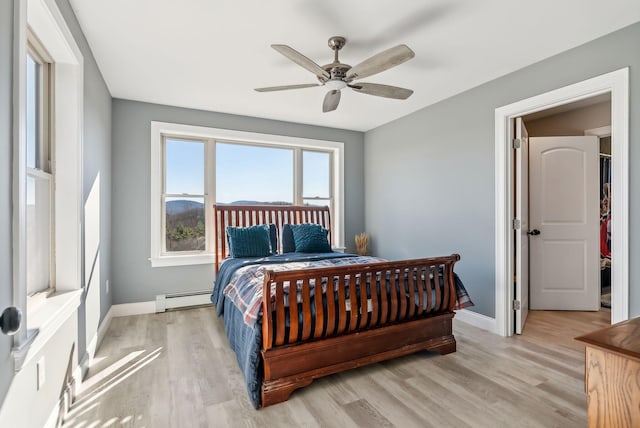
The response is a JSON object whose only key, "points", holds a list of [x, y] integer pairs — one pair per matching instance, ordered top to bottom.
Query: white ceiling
{"points": [[210, 54]]}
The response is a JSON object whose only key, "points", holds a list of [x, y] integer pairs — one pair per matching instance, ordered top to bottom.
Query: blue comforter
{"points": [[246, 341]]}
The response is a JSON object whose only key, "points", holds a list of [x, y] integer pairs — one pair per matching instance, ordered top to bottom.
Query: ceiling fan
{"points": [[337, 76]]}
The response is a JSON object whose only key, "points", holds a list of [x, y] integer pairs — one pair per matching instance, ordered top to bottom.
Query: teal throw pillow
{"points": [[310, 238], [252, 241]]}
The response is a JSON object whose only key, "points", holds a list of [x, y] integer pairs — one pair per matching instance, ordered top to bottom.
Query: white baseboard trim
{"points": [[138, 308], [477, 320], [104, 326], [91, 347], [84, 363], [81, 369]]}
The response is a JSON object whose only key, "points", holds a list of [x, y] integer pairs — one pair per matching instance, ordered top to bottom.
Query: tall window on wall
{"points": [[198, 169], [39, 173], [316, 178], [183, 197], [47, 205]]}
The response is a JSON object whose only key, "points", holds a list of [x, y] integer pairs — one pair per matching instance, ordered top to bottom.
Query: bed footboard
{"points": [[327, 320]]}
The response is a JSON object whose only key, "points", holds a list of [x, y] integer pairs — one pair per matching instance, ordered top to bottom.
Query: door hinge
{"points": [[516, 143], [516, 224], [516, 305]]}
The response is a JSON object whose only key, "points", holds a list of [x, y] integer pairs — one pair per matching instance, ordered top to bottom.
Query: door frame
{"points": [[615, 82]]}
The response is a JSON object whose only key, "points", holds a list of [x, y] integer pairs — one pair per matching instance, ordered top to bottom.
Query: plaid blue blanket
{"points": [[244, 288]]}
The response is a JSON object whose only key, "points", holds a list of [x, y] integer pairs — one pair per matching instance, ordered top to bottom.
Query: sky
{"points": [[245, 172]]}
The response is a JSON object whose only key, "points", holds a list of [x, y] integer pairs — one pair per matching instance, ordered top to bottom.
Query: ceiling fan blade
{"points": [[302, 60], [381, 62], [286, 87], [382, 90], [331, 101]]}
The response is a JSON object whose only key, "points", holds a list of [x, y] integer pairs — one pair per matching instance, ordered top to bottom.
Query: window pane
{"points": [[32, 116], [184, 167], [253, 174], [315, 174], [317, 202], [185, 224], [38, 234]]}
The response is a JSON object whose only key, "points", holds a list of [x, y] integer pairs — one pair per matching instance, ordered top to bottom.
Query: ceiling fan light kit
{"points": [[337, 76], [336, 84]]}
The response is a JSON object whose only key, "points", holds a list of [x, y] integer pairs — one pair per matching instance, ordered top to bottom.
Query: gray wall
{"points": [[569, 123], [437, 196], [6, 268], [134, 280]]}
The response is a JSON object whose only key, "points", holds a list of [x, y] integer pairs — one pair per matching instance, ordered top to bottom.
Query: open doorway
{"points": [[614, 83], [567, 194]]}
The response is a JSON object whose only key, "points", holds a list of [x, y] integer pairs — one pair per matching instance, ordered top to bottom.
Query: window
{"points": [[195, 167], [254, 174], [39, 175], [47, 175], [265, 175], [316, 178], [183, 196]]}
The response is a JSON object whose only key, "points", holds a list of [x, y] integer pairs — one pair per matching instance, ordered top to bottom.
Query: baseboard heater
{"points": [[182, 300]]}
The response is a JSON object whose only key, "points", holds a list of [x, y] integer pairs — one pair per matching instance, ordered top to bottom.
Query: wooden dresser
{"points": [[612, 375]]}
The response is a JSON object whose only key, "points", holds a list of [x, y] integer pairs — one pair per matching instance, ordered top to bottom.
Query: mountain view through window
{"points": [[244, 174]]}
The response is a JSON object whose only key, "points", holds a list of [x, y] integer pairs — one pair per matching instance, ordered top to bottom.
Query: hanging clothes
{"points": [[605, 208]]}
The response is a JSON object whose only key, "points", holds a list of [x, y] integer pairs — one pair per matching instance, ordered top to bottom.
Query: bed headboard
{"points": [[251, 215]]}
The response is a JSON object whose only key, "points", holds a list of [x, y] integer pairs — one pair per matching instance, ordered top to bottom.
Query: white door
{"points": [[564, 207], [522, 214]]}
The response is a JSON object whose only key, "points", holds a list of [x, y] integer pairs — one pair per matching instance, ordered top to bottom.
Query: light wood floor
{"points": [[175, 369]]}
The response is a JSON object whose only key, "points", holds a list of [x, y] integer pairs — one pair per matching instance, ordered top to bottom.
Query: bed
{"points": [[344, 311]]}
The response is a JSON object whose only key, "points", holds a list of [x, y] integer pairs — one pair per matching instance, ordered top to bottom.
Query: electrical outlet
{"points": [[106, 286], [40, 370]]}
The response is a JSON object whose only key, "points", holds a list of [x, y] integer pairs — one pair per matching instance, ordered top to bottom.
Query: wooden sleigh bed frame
{"points": [[348, 332]]}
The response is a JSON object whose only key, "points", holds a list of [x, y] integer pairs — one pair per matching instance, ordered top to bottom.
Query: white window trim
{"points": [[45, 20], [200, 132]]}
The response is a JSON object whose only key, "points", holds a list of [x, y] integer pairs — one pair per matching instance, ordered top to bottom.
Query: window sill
{"points": [[191, 259], [43, 322]]}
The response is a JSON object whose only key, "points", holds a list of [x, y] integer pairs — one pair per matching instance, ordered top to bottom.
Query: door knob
{"points": [[534, 232], [10, 320]]}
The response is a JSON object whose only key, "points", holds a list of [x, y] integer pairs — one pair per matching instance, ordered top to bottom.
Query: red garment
{"points": [[605, 251]]}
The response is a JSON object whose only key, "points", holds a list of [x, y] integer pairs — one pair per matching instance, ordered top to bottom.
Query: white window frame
{"points": [[211, 135], [39, 324]]}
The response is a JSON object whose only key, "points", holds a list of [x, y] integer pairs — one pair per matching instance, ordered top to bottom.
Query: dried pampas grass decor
{"points": [[362, 243]]}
